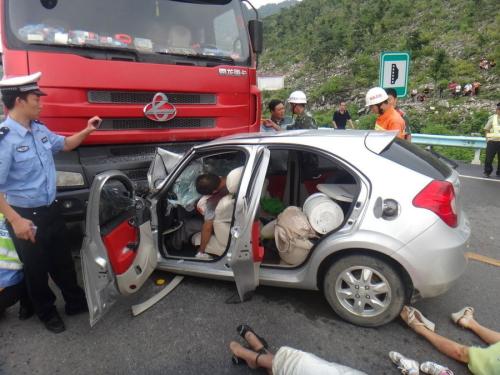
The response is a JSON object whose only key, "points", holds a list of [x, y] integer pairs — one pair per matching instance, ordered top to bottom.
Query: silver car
{"points": [[402, 233]]}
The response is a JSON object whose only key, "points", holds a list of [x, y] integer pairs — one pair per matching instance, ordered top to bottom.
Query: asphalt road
{"points": [[188, 332]]}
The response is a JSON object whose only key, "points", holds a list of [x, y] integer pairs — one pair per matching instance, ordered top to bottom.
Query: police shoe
{"points": [[55, 324]]}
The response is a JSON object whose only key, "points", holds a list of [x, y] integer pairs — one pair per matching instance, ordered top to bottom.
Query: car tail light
{"points": [[439, 197]]}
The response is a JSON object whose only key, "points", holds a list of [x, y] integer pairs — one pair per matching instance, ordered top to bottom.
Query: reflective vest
{"points": [[494, 134], [8, 255]]}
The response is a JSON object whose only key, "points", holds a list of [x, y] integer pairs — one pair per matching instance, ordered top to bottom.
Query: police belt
{"points": [[34, 211]]}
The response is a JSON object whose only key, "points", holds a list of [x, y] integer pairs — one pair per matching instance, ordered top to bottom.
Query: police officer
{"points": [[302, 120], [27, 199]]}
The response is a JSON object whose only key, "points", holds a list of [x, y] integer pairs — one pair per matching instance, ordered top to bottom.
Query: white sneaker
{"points": [[203, 256], [406, 365], [433, 368]]}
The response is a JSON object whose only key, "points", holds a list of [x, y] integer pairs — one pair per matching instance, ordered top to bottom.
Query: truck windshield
{"points": [[210, 29]]}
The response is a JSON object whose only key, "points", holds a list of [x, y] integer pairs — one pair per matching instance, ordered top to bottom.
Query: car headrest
{"points": [[233, 180]]}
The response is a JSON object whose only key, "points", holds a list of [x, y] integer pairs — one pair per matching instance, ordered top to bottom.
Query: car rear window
{"points": [[415, 158]]}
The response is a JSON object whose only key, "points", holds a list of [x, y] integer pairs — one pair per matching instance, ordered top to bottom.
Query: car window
{"points": [[415, 158], [183, 192]]}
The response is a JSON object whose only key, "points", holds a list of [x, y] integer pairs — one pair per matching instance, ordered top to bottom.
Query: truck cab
{"points": [[163, 73]]}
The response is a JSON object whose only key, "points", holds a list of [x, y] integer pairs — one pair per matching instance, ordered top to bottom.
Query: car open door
{"points": [[118, 252], [242, 256]]}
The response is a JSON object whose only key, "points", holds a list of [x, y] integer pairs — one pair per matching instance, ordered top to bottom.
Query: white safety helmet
{"points": [[375, 95], [297, 97]]}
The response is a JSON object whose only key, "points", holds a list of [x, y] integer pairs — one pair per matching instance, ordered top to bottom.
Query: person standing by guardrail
{"points": [[393, 100], [388, 119], [301, 120], [492, 130]]}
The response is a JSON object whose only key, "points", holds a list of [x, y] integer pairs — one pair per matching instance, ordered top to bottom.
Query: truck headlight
{"points": [[69, 179]]}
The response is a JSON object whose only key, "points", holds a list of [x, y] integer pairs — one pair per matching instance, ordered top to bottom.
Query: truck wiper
{"points": [[89, 47], [219, 58]]}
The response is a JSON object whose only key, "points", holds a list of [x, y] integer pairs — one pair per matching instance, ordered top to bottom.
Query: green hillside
{"points": [[273, 8], [330, 49]]}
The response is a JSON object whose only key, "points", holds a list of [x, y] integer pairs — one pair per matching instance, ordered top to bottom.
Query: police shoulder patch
{"points": [[3, 132]]}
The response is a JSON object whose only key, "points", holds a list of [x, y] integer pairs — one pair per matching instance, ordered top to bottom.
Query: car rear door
{"points": [[118, 253], [244, 255]]}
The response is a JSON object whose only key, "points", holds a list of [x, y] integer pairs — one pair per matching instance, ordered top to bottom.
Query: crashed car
{"points": [[372, 221]]}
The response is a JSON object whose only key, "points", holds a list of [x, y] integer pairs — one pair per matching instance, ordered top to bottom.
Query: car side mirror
{"points": [[255, 29]]}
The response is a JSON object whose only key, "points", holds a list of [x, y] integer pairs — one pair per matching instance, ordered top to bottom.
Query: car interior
{"points": [[293, 176]]}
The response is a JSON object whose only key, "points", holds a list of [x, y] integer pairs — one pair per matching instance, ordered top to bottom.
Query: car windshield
{"points": [[194, 28]]}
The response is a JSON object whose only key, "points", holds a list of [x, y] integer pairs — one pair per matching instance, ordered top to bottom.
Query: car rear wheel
{"points": [[364, 290]]}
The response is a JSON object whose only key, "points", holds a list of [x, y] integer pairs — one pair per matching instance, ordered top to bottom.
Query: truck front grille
{"points": [[137, 97], [144, 123]]}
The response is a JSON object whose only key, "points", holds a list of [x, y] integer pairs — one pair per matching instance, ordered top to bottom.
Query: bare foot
{"points": [[465, 320], [415, 323], [254, 341], [247, 355]]}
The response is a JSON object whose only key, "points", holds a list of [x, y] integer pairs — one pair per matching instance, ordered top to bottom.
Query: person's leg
{"points": [[490, 155], [498, 157], [61, 265], [36, 270], [8, 297], [26, 308], [487, 335], [444, 345], [254, 360]]}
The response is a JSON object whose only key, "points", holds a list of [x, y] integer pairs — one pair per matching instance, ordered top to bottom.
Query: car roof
{"points": [[318, 137]]}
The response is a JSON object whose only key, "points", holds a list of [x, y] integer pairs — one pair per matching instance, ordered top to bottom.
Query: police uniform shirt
{"points": [[27, 169]]}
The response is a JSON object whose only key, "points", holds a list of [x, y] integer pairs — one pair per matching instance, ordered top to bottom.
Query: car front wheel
{"points": [[364, 290]]}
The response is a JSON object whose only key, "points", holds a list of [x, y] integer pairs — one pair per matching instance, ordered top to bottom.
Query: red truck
{"points": [[167, 73]]}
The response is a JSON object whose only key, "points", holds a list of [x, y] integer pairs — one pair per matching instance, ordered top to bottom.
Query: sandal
{"points": [[415, 317], [456, 317], [242, 330], [238, 361]]}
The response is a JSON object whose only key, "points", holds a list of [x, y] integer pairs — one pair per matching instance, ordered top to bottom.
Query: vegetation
{"points": [[331, 48]]}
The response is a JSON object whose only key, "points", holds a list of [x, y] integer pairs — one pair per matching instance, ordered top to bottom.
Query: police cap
{"points": [[21, 84]]}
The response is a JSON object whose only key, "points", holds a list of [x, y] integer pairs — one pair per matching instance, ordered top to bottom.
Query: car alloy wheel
{"points": [[363, 291]]}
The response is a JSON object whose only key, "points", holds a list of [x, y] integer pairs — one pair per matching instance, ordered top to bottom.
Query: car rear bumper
{"points": [[436, 258]]}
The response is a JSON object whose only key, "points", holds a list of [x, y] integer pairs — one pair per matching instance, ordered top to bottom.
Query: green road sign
{"points": [[393, 72]]}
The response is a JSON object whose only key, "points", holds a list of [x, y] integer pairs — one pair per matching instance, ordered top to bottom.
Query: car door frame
{"points": [[101, 286]]}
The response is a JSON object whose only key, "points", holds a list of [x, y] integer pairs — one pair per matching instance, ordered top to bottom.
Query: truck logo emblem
{"points": [[160, 109]]}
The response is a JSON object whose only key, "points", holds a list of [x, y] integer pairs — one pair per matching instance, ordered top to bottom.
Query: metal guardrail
{"points": [[478, 143]]}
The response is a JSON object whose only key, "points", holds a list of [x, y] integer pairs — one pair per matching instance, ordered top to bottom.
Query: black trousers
{"points": [[492, 149], [49, 255], [10, 295]]}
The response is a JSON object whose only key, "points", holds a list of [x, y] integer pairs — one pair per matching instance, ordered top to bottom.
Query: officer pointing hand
{"points": [[27, 198]]}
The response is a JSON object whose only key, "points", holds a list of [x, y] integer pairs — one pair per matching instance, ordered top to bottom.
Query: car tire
{"points": [[364, 290]]}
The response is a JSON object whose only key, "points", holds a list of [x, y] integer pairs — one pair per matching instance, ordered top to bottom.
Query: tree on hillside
{"points": [[440, 67]]}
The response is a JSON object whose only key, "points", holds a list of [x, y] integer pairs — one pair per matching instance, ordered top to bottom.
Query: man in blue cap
{"points": [[27, 199]]}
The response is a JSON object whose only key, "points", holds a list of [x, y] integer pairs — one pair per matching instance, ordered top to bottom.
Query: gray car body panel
{"points": [[412, 238]]}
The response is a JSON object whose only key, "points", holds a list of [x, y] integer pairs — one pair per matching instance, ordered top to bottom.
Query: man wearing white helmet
{"points": [[388, 119], [302, 120]]}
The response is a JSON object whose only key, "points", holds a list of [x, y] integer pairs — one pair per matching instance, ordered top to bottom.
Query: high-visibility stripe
{"points": [[10, 265]]}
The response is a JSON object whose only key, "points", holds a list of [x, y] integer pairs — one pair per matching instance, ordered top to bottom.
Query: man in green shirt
{"points": [[302, 120]]}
